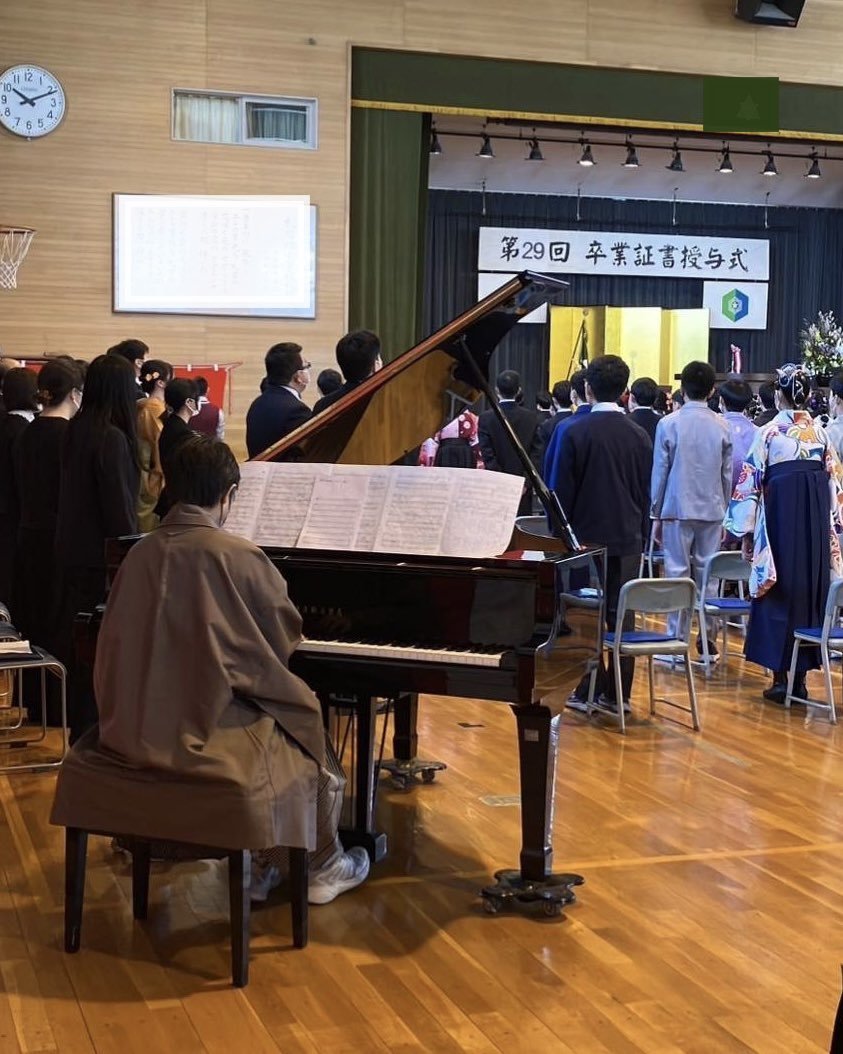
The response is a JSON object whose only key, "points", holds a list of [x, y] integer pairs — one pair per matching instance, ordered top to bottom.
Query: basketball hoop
{"points": [[14, 245]]}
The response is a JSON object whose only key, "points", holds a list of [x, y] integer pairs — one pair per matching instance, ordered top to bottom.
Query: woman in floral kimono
{"points": [[454, 446], [788, 507]]}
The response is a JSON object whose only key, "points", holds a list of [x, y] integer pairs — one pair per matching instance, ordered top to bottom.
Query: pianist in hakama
{"points": [[194, 694]]}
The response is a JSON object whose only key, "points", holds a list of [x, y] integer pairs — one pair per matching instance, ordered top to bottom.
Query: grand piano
{"points": [[522, 628]]}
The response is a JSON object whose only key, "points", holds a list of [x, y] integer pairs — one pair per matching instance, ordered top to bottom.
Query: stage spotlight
{"points": [[435, 145], [486, 149], [535, 151], [631, 155], [587, 159], [676, 164], [726, 165], [770, 168], [814, 171]]}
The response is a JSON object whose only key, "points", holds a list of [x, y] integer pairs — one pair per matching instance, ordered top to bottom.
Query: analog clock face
{"points": [[31, 101]]}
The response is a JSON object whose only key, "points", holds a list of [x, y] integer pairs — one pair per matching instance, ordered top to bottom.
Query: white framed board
{"points": [[247, 255]]}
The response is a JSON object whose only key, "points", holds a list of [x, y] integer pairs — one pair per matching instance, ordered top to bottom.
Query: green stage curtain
{"points": [[389, 165]]}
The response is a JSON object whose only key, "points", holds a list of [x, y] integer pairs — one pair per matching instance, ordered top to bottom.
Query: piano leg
{"points": [[538, 744], [405, 767], [364, 777]]}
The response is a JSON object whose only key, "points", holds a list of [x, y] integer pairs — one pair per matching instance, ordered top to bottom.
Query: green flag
{"points": [[740, 104]]}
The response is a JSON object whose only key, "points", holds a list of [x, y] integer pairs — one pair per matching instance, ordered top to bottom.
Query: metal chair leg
{"points": [[616, 659], [791, 674], [652, 687], [829, 687], [692, 692]]}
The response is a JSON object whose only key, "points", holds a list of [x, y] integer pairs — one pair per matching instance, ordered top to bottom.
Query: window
{"points": [[244, 120]]}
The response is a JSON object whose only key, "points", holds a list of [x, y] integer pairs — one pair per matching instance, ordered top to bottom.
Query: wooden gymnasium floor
{"points": [[711, 921]]}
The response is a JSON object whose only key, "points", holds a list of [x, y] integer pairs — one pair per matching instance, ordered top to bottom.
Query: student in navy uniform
{"points": [[358, 356], [19, 392], [642, 398], [182, 402], [279, 409], [499, 454], [603, 483]]}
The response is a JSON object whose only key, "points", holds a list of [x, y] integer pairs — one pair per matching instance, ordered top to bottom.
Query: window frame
{"points": [[310, 105]]}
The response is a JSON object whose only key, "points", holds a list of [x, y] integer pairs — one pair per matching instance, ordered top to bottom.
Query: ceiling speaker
{"points": [[767, 13]]}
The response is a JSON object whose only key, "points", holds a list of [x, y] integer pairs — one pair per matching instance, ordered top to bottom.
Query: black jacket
{"points": [[332, 397], [275, 413], [647, 419], [498, 452], [604, 481]]}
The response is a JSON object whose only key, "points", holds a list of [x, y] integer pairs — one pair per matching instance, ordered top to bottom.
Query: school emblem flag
{"points": [[736, 306]]}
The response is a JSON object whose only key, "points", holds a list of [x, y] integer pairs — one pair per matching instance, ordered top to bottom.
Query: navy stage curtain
{"points": [[806, 267]]}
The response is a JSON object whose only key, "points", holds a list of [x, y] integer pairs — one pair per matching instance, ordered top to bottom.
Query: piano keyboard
{"points": [[370, 649]]}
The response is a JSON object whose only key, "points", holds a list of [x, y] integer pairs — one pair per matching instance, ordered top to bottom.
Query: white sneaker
{"points": [[576, 703], [610, 706], [346, 872], [262, 883]]}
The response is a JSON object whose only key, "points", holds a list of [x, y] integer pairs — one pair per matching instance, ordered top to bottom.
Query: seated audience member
{"points": [[134, 352], [358, 356], [154, 377], [328, 381], [20, 393], [642, 396], [735, 397], [767, 398], [182, 404], [579, 407], [279, 409], [562, 410], [210, 421], [834, 429], [454, 446], [499, 455], [37, 467], [602, 482], [691, 482], [98, 497], [193, 686]]}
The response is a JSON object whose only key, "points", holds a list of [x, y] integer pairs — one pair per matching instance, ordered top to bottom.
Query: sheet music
{"points": [[336, 507], [388, 509]]}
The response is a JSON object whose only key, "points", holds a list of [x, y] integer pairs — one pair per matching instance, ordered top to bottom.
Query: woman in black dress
{"points": [[19, 396], [182, 400], [37, 466], [100, 479]]}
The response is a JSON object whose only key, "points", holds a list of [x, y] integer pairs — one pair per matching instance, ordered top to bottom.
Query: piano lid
{"points": [[397, 408]]}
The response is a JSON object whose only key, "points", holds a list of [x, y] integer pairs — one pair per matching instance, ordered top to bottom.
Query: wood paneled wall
{"points": [[119, 62]]}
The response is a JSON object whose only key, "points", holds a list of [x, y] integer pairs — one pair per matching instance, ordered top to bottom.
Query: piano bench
{"points": [[239, 868]]}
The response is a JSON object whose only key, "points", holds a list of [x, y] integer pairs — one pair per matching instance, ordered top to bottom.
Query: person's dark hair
{"points": [[131, 350], [357, 354], [283, 362], [5, 366], [154, 370], [607, 376], [57, 379], [697, 380], [329, 381], [793, 382], [508, 384], [578, 384], [836, 384], [201, 386], [20, 389], [178, 391], [645, 391], [562, 394], [767, 394], [736, 395], [678, 398], [110, 399], [544, 400], [714, 401], [660, 402], [201, 471]]}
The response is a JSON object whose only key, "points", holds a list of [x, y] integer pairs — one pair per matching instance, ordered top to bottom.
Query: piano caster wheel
{"points": [[429, 775], [401, 783], [492, 905], [552, 908]]}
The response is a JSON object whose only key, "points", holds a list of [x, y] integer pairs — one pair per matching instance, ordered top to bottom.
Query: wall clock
{"points": [[31, 101]]}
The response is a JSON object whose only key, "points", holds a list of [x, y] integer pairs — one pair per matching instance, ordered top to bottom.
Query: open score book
{"points": [[381, 509]]}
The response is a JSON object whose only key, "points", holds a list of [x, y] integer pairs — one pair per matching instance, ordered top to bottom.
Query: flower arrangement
{"points": [[821, 343]]}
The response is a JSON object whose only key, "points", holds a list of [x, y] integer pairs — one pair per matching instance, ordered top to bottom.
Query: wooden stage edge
{"points": [[711, 919]]}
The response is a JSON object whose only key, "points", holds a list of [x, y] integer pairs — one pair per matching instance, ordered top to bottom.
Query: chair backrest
{"points": [[726, 566], [657, 596], [834, 600]]}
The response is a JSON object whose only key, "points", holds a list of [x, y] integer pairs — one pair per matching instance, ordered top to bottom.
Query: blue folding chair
{"points": [[727, 566], [828, 638]]}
